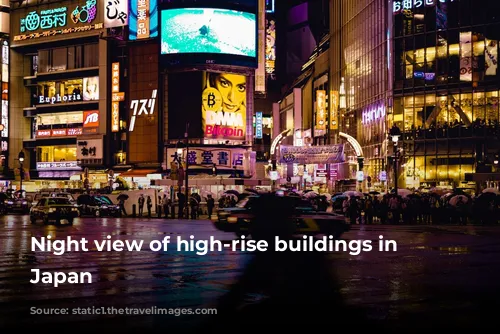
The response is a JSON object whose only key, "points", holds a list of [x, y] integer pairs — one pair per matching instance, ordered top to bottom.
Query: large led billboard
{"points": [[209, 35], [224, 100]]}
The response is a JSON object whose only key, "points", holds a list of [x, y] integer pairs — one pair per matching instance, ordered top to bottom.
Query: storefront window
{"points": [[72, 57], [67, 91], [492, 106], [479, 108], [68, 119], [56, 153]]}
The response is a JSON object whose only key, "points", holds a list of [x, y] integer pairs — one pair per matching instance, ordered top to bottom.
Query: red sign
{"points": [[91, 119], [75, 131], [59, 132], [43, 133]]}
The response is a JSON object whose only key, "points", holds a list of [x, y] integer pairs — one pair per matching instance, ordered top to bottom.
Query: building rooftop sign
{"points": [[399, 6], [57, 21]]}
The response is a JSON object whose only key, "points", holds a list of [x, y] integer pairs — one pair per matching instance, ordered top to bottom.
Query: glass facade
{"points": [[359, 40], [446, 88]]}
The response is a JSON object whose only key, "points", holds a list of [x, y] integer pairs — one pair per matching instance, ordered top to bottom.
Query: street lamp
{"points": [[395, 133], [21, 171]]}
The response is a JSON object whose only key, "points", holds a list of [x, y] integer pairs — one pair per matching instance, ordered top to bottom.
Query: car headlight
{"points": [[9, 202], [104, 207], [52, 209], [74, 209], [232, 219]]}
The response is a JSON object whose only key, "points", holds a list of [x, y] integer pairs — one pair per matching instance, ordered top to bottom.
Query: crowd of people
{"points": [[426, 209]]}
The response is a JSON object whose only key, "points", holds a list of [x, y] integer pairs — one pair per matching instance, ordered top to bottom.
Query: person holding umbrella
{"points": [[121, 202]]}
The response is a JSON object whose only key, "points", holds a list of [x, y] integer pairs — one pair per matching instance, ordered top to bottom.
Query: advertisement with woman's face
{"points": [[91, 89], [224, 105]]}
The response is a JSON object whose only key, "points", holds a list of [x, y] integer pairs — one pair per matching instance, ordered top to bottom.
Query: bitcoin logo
{"points": [[211, 99]]}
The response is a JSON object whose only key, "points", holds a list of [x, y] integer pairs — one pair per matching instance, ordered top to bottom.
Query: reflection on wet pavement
{"points": [[438, 273]]}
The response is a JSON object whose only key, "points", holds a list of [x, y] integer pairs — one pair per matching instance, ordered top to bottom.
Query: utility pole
{"points": [[186, 194]]}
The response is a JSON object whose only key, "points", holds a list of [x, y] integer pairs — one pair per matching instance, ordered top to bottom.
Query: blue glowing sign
{"points": [[143, 19], [258, 125]]}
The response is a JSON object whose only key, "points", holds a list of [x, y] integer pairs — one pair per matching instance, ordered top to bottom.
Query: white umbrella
{"points": [[491, 190], [354, 193], [453, 201]]}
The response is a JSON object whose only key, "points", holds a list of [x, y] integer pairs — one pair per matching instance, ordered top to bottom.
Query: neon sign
{"points": [[401, 5], [57, 17], [143, 109], [372, 113]]}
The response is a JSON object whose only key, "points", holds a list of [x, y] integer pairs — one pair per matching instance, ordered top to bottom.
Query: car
{"points": [[64, 194], [15, 202], [97, 206], [55, 209], [308, 221]]}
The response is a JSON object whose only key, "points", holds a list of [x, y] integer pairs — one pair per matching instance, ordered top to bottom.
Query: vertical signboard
{"points": [[115, 13], [143, 19], [270, 47], [466, 56], [491, 56], [260, 72], [5, 96], [224, 101], [115, 105], [334, 105], [320, 110], [143, 112], [258, 125]]}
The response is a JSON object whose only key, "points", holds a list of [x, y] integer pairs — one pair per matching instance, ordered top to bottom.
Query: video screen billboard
{"points": [[211, 35], [224, 100]]}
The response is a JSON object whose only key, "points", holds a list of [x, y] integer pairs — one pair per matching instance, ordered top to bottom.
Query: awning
{"points": [[139, 172]]}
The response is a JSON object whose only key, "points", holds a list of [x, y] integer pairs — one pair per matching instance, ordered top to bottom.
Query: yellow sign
{"points": [[51, 33], [115, 77], [118, 97], [334, 104], [224, 106], [320, 110], [115, 116]]}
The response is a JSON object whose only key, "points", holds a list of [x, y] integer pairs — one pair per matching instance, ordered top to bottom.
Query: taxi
{"points": [[308, 221]]}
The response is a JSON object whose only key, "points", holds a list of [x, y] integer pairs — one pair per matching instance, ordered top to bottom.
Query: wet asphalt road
{"points": [[440, 276]]}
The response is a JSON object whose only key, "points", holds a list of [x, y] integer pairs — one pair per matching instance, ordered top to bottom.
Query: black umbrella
{"points": [[234, 192], [122, 196]]}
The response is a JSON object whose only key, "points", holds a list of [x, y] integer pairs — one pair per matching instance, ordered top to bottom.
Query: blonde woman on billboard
{"points": [[91, 88], [232, 89]]}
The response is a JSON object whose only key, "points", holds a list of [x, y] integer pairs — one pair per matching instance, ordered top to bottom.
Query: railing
{"points": [[452, 132]]}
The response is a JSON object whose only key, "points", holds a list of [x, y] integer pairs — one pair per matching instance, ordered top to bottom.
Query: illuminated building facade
{"points": [[58, 73], [360, 88], [446, 90]]}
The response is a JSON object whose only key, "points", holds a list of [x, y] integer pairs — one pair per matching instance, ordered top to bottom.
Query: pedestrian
{"points": [[182, 201], [140, 202], [121, 203], [149, 205], [166, 205], [210, 205]]}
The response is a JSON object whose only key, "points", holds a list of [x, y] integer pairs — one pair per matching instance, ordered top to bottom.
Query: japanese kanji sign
{"points": [[115, 13], [89, 149], [207, 157]]}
